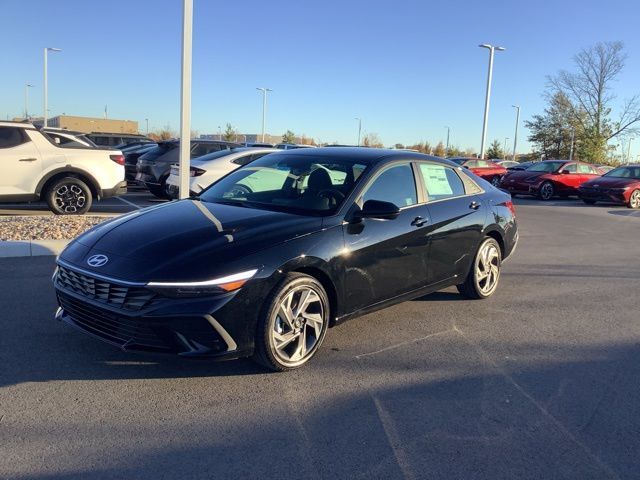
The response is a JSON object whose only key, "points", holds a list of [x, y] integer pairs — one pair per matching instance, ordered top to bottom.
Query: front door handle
{"points": [[28, 160], [474, 205], [418, 222]]}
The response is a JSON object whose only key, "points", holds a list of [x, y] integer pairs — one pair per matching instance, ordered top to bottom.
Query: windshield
{"points": [[459, 161], [546, 167], [624, 172], [290, 183]]}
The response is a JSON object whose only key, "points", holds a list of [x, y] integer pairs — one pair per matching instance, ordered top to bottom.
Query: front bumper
{"points": [[520, 188], [119, 189], [602, 195], [136, 319]]}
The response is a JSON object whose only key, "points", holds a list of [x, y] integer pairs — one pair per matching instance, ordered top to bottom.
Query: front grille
{"points": [[121, 296], [114, 328]]}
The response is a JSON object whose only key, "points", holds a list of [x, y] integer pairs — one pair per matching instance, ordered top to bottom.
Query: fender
{"points": [[93, 184]]}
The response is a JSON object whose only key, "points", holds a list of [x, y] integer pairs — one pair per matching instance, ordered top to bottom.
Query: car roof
{"points": [[364, 154]]}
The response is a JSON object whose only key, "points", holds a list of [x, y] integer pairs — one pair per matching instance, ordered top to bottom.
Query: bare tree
{"points": [[590, 90]]}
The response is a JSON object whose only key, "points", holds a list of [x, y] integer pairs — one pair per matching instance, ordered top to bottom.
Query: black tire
{"points": [[160, 191], [547, 191], [68, 196], [589, 202], [471, 287], [265, 351]]}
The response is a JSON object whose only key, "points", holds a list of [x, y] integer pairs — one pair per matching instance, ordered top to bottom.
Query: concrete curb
{"points": [[31, 248]]}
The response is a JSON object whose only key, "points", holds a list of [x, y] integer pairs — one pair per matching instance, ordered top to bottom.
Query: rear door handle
{"points": [[28, 160], [474, 205], [418, 222]]}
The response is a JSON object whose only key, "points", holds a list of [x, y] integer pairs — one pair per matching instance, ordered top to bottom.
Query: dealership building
{"points": [[89, 124]]}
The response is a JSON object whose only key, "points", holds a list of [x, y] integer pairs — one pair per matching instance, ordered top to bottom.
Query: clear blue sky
{"points": [[407, 67]]}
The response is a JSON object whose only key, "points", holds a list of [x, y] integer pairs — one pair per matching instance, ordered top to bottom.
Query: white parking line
{"points": [[137, 207]]}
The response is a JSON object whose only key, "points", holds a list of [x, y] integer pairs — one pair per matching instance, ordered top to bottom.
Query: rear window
{"points": [[12, 137]]}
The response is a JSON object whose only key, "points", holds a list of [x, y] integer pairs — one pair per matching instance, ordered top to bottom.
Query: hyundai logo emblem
{"points": [[97, 260]]}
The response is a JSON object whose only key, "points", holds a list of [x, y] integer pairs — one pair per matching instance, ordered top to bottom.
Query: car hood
{"points": [[611, 182], [184, 240]]}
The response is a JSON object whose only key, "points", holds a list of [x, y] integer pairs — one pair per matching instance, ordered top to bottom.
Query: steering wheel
{"points": [[334, 196]]}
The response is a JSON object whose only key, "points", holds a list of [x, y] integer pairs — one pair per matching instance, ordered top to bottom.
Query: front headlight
{"points": [[215, 286]]}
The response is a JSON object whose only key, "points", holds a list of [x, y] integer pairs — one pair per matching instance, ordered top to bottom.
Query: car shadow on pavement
{"points": [[421, 412]]}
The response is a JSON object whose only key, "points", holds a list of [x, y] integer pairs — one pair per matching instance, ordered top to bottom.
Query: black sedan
{"points": [[270, 256]]}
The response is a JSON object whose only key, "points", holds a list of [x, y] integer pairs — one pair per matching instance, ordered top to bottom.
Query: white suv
{"points": [[36, 167]]}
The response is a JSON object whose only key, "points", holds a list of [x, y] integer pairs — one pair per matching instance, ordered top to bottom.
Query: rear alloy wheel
{"points": [[495, 181], [547, 191], [68, 196], [634, 199], [482, 280], [294, 324]]}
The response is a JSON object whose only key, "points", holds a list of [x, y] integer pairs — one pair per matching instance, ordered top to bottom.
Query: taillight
{"points": [[119, 159], [196, 172], [511, 207]]}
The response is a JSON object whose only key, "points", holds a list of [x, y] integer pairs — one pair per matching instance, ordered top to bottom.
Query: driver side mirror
{"points": [[378, 209]]}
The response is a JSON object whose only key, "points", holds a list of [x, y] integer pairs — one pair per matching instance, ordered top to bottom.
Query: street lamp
{"points": [[46, 54], [264, 91], [487, 99], [26, 100], [185, 100], [147, 121], [359, 129], [219, 132], [515, 136], [573, 138], [504, 148], [629, 151], [446, 152]]}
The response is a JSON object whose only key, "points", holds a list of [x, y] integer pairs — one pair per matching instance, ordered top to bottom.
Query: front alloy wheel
{"points": [[547, 191], [634, 199], [482, 280], [294, 325]]}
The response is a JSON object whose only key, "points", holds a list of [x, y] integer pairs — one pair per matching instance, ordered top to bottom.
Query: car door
{"points": [[21, 162], [587, 172], [569, 179], [457, 219], [387, 258]]}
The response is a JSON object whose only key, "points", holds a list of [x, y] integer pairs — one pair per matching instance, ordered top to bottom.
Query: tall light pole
{"points": [[27, 86], [264, 91], [487, 98], [185, 100], [46, 108], [147, 121], [359, 129], [515, 136], [573, 138], [504, 149], [629, 151], [446, 152]]}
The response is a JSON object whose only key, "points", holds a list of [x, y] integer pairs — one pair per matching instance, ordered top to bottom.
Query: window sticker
{"points": [[435, 177]]}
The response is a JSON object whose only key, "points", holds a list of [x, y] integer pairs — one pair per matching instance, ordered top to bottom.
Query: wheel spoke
{"points": [[307, 297], [286, 315], [314, 320], [284, 339]]}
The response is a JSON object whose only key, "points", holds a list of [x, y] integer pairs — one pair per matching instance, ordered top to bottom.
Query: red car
{"points": [[490, 171], [549, 179], [620, 185]]}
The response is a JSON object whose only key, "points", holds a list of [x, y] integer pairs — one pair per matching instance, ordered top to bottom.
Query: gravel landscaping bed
{"points": [[51, 227]]}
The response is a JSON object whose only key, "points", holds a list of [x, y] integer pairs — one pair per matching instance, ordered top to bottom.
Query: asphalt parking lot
{"points": [[539, 381]]}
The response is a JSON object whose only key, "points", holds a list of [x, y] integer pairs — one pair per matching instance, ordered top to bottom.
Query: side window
{"points": [[12, 137], [472, 164], [483, 164], [570, 168], [584, 168], [441, 182], [395, 184]]}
